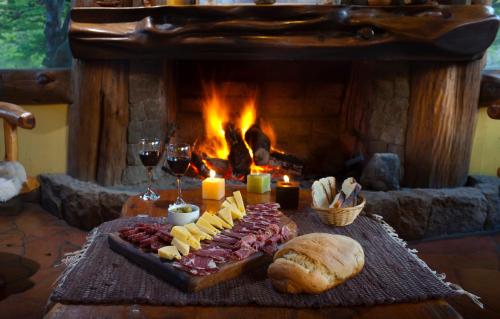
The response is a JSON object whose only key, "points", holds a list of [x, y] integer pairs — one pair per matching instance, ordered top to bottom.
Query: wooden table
{"points": [[432, 309]]}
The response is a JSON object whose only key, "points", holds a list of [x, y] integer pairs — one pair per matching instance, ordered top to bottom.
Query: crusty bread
{"points": [[323, 192], [315, 262]]}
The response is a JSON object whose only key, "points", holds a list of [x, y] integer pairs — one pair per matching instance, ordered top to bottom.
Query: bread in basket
{"points": [[339, 208]]}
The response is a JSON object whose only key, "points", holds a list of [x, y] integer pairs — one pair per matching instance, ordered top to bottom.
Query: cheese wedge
{"points": [[231, 200], [239, 202], [225, 204], [235, 212], [225, 215], [212, 219], [225, 224], [206, 227], [196, 231], [181, 233], [181, 246], [169, 252]]}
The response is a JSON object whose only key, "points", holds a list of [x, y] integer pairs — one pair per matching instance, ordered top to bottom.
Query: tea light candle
{"points": [[258, 183], [213, 187], [287, 193]]}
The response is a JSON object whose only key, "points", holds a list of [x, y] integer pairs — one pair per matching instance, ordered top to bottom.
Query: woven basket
{"points": [[340, 216]]}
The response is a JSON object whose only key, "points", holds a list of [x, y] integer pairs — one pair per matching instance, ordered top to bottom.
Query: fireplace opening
{"points": [[276, 117], [237, 140]]}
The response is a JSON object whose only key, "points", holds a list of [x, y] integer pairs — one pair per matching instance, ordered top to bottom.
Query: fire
{"points": [[215, 114], [247, 119]]}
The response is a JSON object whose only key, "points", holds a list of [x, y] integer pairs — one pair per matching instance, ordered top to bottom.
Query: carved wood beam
{"points": [[427, 32], [35, 86], [490, 93]]}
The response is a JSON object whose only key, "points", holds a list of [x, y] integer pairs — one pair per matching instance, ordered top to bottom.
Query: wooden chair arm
{"points": [[16, 115]]}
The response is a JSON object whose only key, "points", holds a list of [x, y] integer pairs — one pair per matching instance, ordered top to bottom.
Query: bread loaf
{"points": [[315, 262]]}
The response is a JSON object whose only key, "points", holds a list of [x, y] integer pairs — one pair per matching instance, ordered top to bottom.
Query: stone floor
{"points": [[33, 242]]}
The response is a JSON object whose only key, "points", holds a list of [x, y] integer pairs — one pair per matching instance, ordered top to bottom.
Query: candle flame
{"points": [[212, 173], [286, 179]]}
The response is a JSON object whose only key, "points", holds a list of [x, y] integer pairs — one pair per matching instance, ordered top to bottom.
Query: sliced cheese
{"points": [[231, 200], [239, 202], [225, 204], [235, 212], [225, 215], [216, 222], [225, 224], [206, 227], [196, 231], [181, 233], [182, 246], [169, 252]]}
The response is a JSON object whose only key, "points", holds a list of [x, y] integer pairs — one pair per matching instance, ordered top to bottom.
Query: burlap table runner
{"points": [[391, 274]]}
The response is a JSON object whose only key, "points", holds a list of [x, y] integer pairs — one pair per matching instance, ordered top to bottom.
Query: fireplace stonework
{"points": [[362, 85], [302, 101]]}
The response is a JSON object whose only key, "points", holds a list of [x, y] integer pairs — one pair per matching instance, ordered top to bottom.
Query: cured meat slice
{"points": [[234, 234], [225, 239], [146, 243], [270, 249], [243, 253], [219, 255]]}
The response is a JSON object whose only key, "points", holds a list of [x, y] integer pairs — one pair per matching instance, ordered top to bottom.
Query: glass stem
{"points": [[150, 179], [179, 194]]}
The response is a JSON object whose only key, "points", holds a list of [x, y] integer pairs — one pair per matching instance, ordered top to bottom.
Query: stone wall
{"points": [[388, 109], [147, 114], [428, 213]]}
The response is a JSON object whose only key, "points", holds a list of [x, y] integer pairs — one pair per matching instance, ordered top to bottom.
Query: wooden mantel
{"points": [[410, 33]]}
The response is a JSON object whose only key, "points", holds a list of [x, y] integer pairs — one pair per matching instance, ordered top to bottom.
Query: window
{"points": [[33, 34], [494, 51]]}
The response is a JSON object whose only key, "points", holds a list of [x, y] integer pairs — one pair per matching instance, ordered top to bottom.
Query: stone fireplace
{"points": [[336, 84], [302, 101]]}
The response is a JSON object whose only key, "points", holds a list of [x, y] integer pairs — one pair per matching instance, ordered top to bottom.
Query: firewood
{"points": [[259, 143], [239, 157]]}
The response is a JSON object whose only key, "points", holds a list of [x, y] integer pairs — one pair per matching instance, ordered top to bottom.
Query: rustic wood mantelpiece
{"points": [[430, 32], [441, 44]]}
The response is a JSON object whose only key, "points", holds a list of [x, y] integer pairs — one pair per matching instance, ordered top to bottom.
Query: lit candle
{"points": [[258, 183], [213, 187], [287, 193]]}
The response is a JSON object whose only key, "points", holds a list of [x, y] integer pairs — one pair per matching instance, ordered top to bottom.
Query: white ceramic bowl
{"points": [[179, 219]]}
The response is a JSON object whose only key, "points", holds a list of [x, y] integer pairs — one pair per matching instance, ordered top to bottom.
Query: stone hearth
{"points": [[414, 213]]}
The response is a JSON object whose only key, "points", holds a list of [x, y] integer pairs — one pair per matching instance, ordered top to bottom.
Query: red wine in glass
{"points": [[150, 152], [149, 158], [178, 159], [178, 165]]}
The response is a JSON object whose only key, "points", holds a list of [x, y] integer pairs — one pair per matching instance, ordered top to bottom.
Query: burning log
{"points": [[259, 143], [239, 157], [289, 164]]}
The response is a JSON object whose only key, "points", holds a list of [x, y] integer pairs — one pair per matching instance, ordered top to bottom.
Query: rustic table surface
{"points": [[134, 206]]}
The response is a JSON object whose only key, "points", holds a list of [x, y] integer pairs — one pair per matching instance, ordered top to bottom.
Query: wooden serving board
{"points": [[163, 269]]}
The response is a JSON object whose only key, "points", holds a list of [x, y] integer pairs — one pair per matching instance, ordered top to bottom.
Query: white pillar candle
{"points": [[213, 187]]}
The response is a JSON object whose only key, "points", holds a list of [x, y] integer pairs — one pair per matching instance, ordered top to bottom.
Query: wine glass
{"points": [[150, 153], [178, 159]]}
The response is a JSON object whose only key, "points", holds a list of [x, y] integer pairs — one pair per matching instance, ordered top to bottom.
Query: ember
{"points": [[237, 143]]}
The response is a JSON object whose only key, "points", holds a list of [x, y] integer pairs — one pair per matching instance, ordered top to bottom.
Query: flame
{"points": [[215, 114], [247, 120], [267, 128], [212, 173], [286, 179]]}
